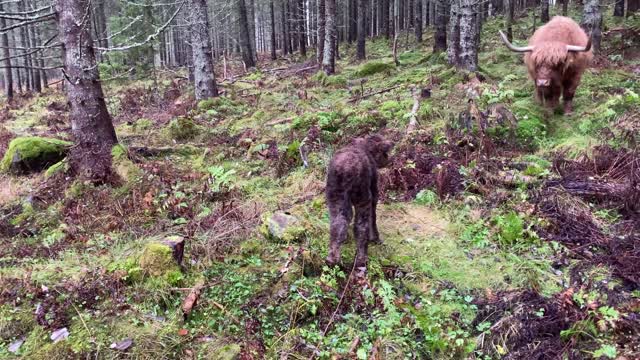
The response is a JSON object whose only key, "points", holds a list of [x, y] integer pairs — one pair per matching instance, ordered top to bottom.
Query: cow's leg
{"points": [[569, 91], [340, 215], [362, 232], [374, 234]]}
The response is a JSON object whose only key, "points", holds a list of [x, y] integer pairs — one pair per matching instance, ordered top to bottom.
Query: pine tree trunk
{"points": [[565, 7], [632, 7], [509, 9], [352, 10], [618, 10], [544, 11], [427, 14], [441, 15], [469, 18], [418, 21], [251, 22], [592, 22], [386, 26], [285, 29], [362, 29], [321, 30], [302, 33], [244, 34], [453, 38], [330, 43], [6, 54], [274, 55], [204, 77], [37, 81], [91, 124]]}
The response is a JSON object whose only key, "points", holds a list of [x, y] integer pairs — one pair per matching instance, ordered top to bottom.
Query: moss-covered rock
{"points": [[33, 154], [282, 227], [157, 260]]}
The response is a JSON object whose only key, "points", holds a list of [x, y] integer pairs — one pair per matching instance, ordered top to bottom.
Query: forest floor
{"points": [[509, 233]]}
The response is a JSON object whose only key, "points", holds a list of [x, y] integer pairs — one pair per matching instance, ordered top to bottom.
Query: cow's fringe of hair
{"points": [[551, 53]]}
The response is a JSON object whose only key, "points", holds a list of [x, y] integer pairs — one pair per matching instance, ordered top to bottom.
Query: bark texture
{"points": [[618, 9], [441, 16], [469, 21], [592, 22], [362, 29], [321, 30], [245, 34], [453, 38], [329, 58], [8, 75], [204, 77], [91, 124]]}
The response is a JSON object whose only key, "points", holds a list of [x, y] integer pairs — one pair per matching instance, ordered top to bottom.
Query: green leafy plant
{"points": [[221, 180]]}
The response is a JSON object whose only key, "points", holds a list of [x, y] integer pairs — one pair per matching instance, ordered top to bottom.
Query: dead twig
{"points": [[364, 96]]}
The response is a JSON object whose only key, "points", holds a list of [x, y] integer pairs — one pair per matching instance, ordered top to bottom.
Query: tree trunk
{"points": [[565, 7], [632, 7], [509, 9], [618, 10], [544, 11], [427, 13], [322, 15], [352, 15], [441, 15], [469, 18], [385, 19], [418, 21], [251, 22], [592, 22], [285, 29], [362, 29], [244, 32], [302, 33], [453, 38], [330, 43], [6, 54], [274, 55], [204, 77], [37, 82], [91, 124]]}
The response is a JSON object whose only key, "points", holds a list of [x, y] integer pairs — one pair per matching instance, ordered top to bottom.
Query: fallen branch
{"points": [[373, 93], [413, 119], [191, 299]]}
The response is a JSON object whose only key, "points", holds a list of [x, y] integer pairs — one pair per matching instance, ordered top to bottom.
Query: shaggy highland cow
{"points": [[557, 55], [352, 182]]}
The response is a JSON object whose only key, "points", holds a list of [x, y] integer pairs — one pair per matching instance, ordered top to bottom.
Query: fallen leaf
{"points": [[183, 332], [59, 335], [122, 345], [15, 346]]}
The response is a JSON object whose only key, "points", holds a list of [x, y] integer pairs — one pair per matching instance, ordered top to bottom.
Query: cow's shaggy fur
{"points": [[550, 60], [352, 182]]}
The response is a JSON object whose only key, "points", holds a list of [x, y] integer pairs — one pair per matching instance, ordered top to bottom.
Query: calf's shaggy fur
{"points": [[352, 182]]}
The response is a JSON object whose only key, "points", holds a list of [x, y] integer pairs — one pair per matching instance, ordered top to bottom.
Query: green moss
{"points": [[374, 67], [335, 81], [221, 105], [143, 124], [183, 128], [32, 153], [122, 165], [60, 166], [282, 227], [157, 260], [15, 322]]}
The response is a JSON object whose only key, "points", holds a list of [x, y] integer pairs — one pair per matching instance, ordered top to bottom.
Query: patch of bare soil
{"points": [[159, 107], [55, 305]]}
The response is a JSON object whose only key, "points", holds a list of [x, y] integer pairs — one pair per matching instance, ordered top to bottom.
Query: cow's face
{"points": [[545, 75]]}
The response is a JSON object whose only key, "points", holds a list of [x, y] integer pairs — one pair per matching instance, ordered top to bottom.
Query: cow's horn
{"points": [[512, 47], [580, 48]]}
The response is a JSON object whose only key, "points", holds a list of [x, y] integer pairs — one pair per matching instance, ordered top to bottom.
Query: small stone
{"points": [[284, 227], [157, 259]]}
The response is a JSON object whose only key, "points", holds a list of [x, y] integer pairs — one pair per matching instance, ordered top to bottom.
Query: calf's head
{"points": [[377, 146]]}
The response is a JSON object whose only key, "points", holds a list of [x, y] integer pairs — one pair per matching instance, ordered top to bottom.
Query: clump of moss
{"points": [[374, 67], [335, 81], [221, 105], [143, 124], [183, 128], [27, 154], [122, 165], [58, 167], [157, 260]]}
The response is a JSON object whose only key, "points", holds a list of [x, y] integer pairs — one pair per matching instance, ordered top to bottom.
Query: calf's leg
{"points": [[340, 215], [362, 233]]}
